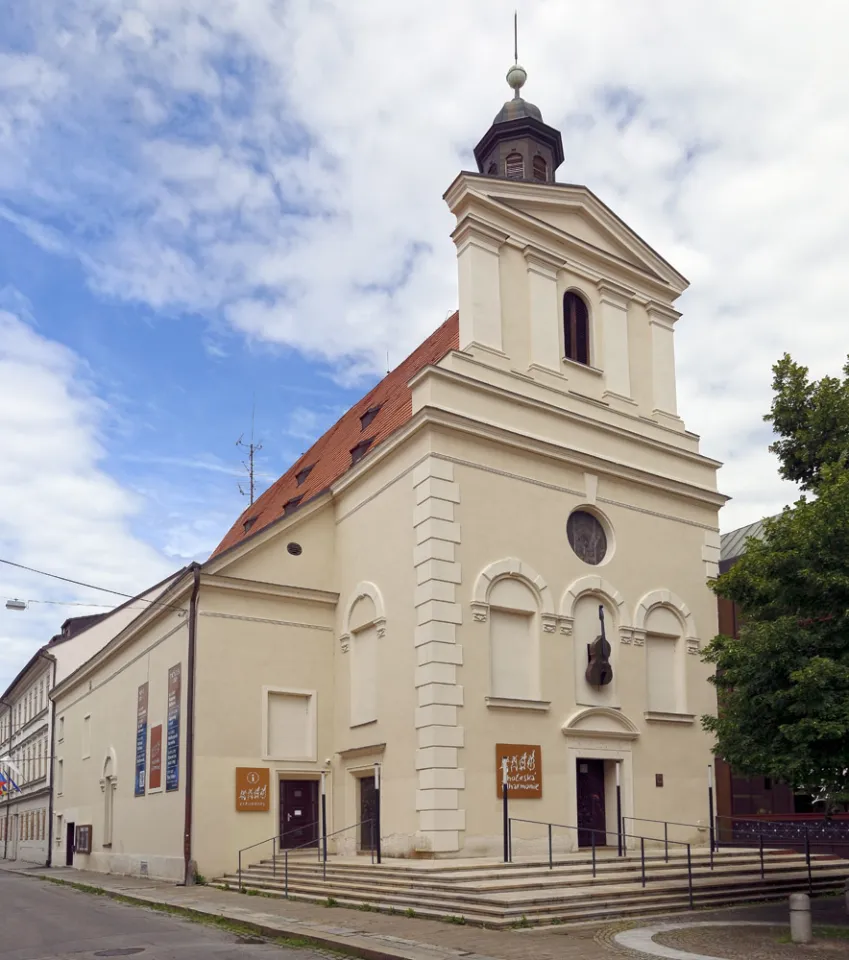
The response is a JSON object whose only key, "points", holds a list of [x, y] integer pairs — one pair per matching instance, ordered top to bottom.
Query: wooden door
{"points": [[368, 809], [591, 812], [298, 813]]}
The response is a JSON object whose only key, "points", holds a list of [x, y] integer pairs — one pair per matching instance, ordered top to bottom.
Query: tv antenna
{"points": [[250, 463]]}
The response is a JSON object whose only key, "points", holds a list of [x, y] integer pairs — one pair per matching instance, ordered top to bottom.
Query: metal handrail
{"points": [[666, 825], [593, 831], [326, 837], [273, 840]]}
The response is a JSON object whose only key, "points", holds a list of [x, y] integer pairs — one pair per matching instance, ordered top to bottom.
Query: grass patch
{"points": [[331, 902], [366, 907], [409, 912], [450, 918], [522, 924]]}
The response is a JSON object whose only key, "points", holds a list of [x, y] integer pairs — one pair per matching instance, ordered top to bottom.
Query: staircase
{"points": [[520, 894]]}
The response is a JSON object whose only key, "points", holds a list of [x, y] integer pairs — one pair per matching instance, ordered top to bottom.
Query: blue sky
{"points": [[207, 204]]}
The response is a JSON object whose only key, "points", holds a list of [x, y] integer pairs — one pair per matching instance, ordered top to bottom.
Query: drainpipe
{"points": [[50, 762], [8, 800], [189, 869]]}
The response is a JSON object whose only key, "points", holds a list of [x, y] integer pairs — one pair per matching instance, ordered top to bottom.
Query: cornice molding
{"points": [[264, 589]]}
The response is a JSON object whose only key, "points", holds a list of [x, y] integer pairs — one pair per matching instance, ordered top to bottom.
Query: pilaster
{"points": [[478, 264], [543, 309], [614, 323], [662, 324], [439, 697]]}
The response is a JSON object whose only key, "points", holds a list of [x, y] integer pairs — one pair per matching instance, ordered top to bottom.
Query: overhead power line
{"points": [[88, 586]]}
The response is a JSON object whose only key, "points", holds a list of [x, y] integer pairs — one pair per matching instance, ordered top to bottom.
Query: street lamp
{"points": [[16, 604]]}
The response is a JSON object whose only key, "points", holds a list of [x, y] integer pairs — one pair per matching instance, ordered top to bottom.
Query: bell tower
{"points": [[519, 145]]}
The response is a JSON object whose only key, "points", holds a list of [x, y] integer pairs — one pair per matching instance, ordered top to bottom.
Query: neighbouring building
{"points": [[422, 589], [27, 730], [737, 796]]}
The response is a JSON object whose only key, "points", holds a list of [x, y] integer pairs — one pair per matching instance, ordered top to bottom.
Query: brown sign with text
{"points": [[524, 770], [253, 789]]}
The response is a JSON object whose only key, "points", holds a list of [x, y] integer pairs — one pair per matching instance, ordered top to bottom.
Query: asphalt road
{"points": [[40, 920]]}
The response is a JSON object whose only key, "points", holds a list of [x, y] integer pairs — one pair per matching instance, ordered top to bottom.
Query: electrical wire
{"points": [[78, 583], [89, 586]]}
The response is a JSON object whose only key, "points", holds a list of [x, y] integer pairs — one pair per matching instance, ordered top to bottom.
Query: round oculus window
{"points": [[587, 537], [295, 549]]}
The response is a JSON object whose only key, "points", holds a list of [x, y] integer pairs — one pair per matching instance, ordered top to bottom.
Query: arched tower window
{"points": [[514, 166], [540, 168], [492, 170], [576, 328]]}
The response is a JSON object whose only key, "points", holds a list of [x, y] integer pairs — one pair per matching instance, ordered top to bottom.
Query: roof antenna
{"points": [[388, 370], [253, 449]]}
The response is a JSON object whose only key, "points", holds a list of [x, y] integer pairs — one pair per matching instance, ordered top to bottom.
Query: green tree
{"points": [[783, 686]]}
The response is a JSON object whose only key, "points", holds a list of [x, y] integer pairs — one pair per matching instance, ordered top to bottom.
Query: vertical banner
{"points": [[141, 739], [172, 750], [156, 757]]}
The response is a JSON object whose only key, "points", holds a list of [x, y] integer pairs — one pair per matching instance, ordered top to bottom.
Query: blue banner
{"points": [[141, 740], [172, 749]]}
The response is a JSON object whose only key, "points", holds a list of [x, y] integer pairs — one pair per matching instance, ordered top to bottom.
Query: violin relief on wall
{"points": [[599, 669]]}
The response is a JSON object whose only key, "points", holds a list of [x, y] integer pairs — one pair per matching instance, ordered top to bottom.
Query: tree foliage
{"points": [[783, 686]]}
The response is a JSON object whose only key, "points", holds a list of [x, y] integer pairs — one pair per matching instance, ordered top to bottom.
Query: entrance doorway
{"points": [[368, 810], [298, 813], [592, 819], [70, 841]]}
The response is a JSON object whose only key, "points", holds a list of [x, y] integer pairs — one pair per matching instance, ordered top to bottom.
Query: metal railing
{"points": [[666, 825], [593, 832], [755, 833], [274, 841], [320, 843]]}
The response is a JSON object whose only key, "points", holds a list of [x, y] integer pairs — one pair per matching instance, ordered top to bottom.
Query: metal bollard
{"points": [[800, 918]]}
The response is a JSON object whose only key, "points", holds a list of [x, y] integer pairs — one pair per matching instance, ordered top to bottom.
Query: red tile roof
{"points": [[330, 455]]}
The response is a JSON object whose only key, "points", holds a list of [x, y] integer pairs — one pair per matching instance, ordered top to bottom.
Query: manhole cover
{"points": [[120, 952]]}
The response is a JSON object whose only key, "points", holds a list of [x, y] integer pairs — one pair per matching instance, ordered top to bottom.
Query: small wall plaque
{"points": [[658, 779]]}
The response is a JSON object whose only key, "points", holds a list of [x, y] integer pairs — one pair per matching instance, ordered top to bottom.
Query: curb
{"points": [[354, 945]]}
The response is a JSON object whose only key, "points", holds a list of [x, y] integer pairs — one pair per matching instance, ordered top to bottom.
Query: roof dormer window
{"points": [[368, 416], [360, 450], [302, 475], [290, 505], [246, 526]]}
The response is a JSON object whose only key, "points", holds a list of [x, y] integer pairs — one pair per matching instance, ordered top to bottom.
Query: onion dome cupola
{"points": [[519, 145]]}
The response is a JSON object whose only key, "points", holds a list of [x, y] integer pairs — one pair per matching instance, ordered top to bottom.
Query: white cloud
{"points": [[280, 166], [59, 510]]}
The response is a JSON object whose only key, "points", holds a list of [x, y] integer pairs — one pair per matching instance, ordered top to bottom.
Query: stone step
{"points": [[548, 879], [533, 899], [591, 908]]}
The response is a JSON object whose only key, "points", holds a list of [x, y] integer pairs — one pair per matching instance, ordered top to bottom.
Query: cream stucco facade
{"points": [[435, 607]]}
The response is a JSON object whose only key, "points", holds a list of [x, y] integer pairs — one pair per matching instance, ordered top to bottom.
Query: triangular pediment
{"points": [[570, 217], [578, 223]]}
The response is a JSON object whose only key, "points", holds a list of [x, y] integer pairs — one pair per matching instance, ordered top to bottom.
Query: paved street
{"points": [[39, 921]]}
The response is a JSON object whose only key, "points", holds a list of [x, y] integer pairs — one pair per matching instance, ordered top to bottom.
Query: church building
{"points": [[500, 552]]}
